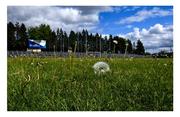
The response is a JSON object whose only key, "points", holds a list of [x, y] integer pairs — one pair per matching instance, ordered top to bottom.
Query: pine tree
{"points": [[41, 32], [11, 36], [60, 36], [23, 37], [72, 38], [58, 39], [17, 40], [53, 42], [65, 42], [110, 43], [129, 48], [140, 48]]}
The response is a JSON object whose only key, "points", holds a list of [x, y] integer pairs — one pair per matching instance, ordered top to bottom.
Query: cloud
{"points": [[121, 9], [145, 14], [68, 18], [156, 37]]}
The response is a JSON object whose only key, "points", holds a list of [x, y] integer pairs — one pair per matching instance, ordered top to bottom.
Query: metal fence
{"points": [[44, 54]]}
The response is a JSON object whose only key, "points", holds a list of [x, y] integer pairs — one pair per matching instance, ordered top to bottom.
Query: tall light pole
{"points": [[78, 41], [61, 42], [115, 42], [86, 43], [63, 45], [100, 47], [126, 49], [54, 50]]}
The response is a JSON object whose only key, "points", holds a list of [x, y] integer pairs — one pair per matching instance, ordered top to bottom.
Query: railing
{"points": [[66, 54]]}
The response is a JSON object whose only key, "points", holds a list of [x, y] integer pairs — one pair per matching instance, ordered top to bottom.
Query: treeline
{"points": [[59, 40]]}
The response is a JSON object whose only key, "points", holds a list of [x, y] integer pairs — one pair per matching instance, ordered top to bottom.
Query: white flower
{"points": [[131, 58], [165, 64], [101, 68]]}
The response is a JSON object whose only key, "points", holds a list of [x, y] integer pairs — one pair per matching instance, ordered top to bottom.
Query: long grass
{"points": [[63, 84]]}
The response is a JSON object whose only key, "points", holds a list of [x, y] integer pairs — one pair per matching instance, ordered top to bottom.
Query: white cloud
{"points": [[145, 14], [68, 18], [156, 29], [156, 37]]}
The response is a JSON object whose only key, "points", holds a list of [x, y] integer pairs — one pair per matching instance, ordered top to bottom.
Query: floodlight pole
{"points": [[78, 41], [86, 44], [63, 45], [75, 47], [100, 47], [114, 47], [54, 50], [125, 50]]}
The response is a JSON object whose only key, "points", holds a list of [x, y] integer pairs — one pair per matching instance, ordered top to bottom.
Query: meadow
{"points": [[70, 84]]}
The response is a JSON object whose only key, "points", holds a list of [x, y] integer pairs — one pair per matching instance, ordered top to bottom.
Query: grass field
{"points": [[59, 84]]}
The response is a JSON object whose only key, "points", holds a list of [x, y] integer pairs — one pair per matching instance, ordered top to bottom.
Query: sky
{"points": [[153, 25]]}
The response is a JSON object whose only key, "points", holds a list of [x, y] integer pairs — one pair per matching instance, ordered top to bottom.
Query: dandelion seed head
{"points": [[101, 68]]}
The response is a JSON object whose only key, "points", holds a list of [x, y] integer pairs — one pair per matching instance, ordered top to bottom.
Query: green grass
{"points": [[59, 84]]}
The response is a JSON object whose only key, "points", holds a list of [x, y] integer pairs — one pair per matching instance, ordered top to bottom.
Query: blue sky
{"points": [[109, 20], [153, 25]]}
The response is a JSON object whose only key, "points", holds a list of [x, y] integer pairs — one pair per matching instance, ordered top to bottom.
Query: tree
{"points": [[41, 32], [17, 35], [11, 36], [60, 37], [97, 37], [72, 38], [80, 38], [83, 40], [60, 41], [22, 42], [53, 42], [65, 42], [92, 43], [110, 43], [105, 44], [121, 46], [129, 48], [140, 48]]}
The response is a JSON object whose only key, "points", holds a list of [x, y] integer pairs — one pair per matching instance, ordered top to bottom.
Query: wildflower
{"points": [[131, 59], [32, 63], [39, 64], [101, 68]]}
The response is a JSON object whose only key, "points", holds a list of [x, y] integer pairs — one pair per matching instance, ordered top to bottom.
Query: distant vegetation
{"points": [[59, 40]]}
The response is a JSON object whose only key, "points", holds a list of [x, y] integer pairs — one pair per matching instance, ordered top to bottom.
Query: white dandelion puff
{"points": [[101, 68]]}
